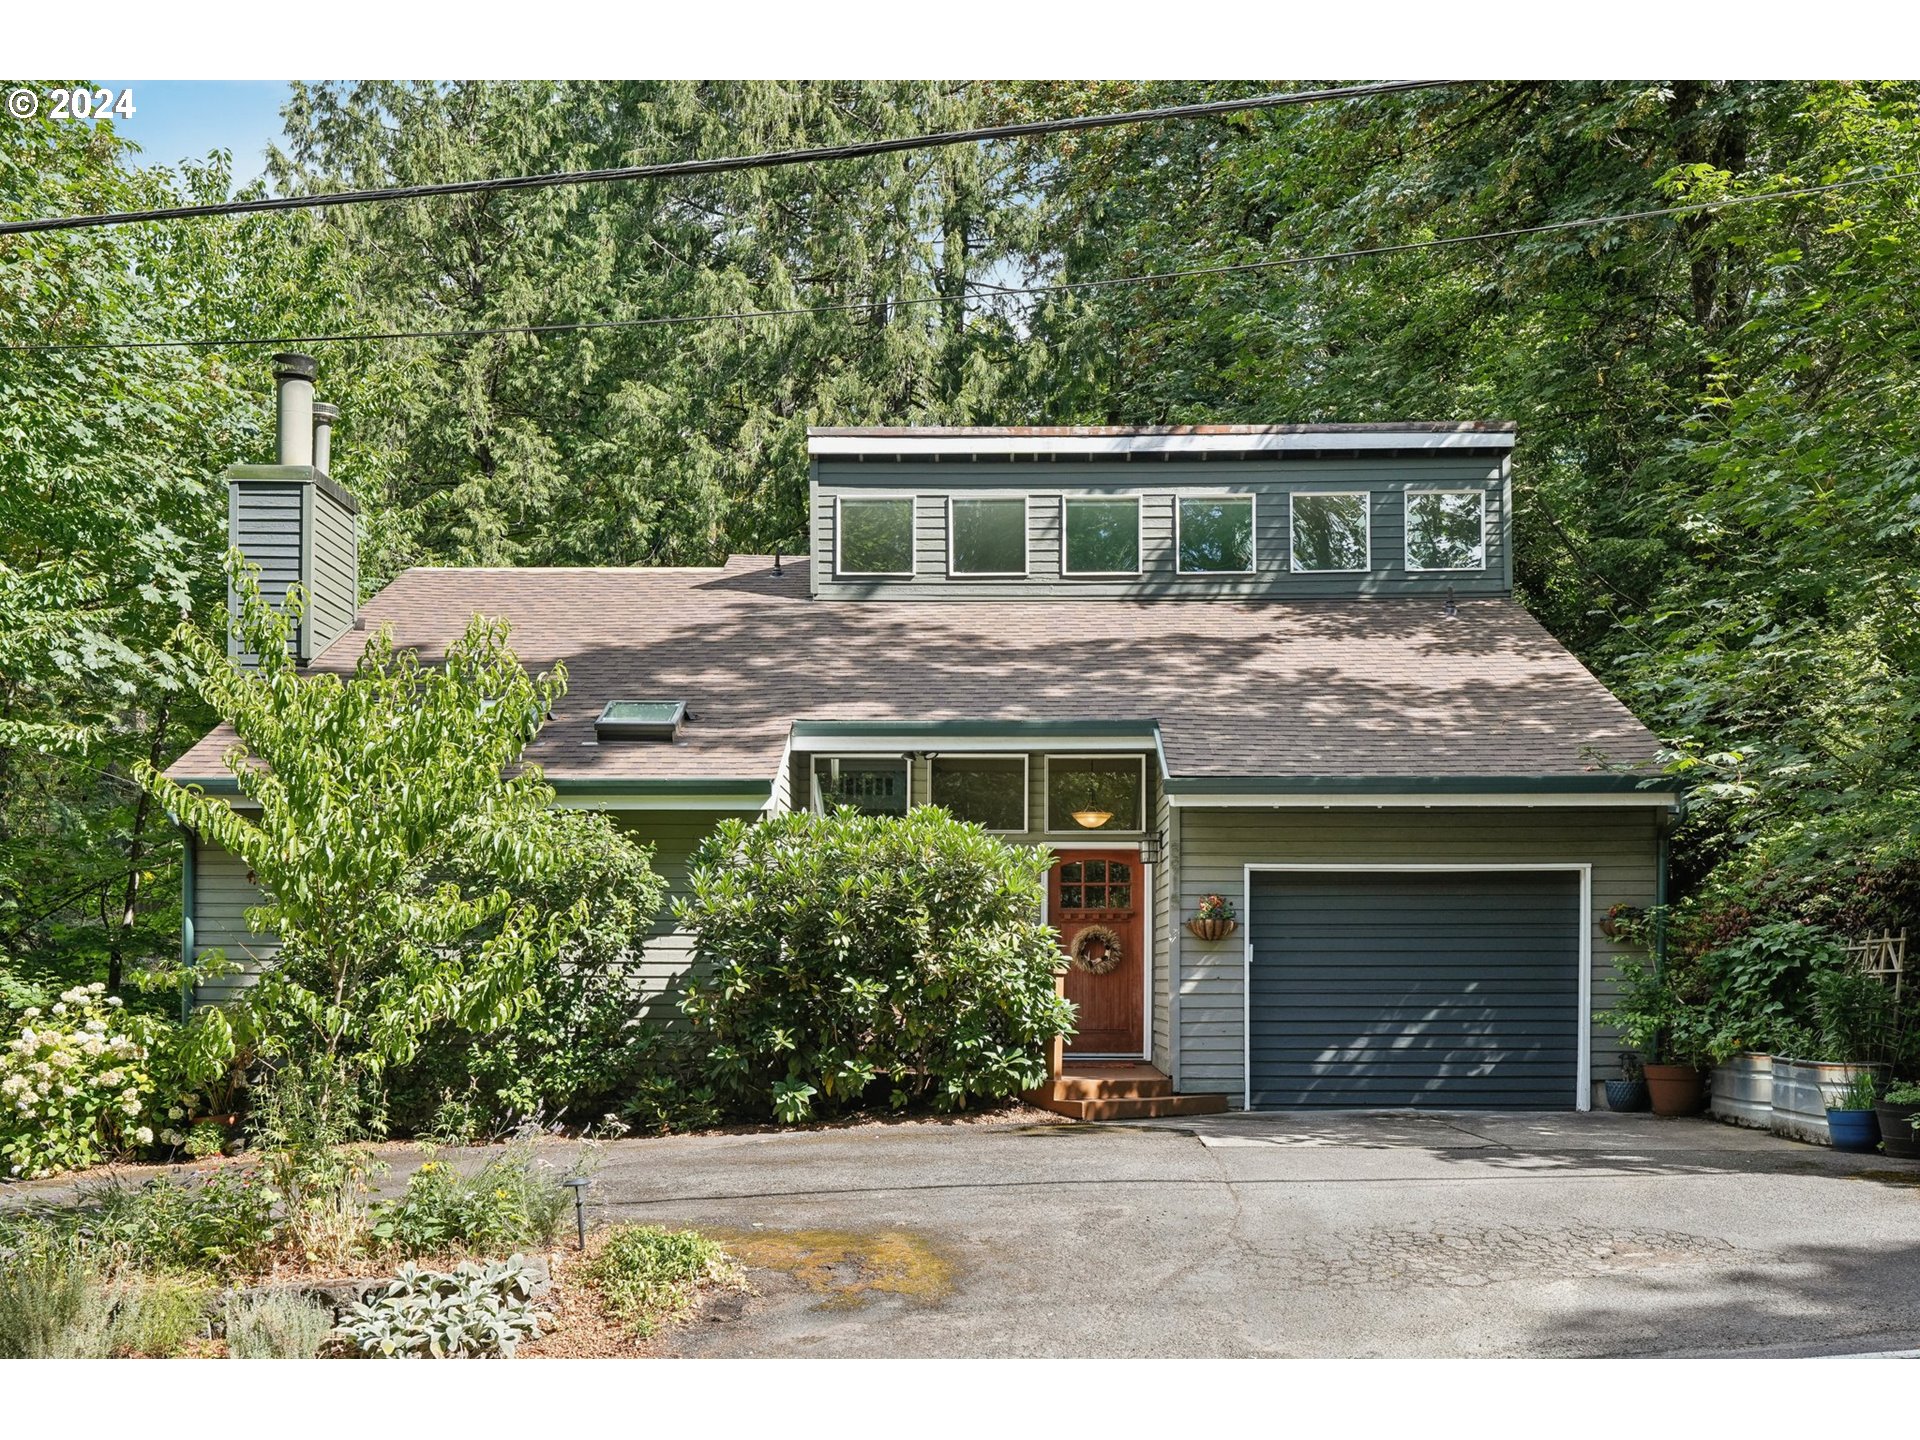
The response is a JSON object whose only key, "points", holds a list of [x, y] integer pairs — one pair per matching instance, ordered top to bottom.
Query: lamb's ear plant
{"points": [[474, 1311]]}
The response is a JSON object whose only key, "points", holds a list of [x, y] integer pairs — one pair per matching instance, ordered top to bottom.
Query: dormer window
{"points": [[1446, 530], [1330, 532], [874, 535], [987, 535], [1215, 535], [641, 720]]}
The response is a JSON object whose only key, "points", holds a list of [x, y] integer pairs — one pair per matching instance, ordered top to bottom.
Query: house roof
{"points": [[1089, 440], [1294, 692]]}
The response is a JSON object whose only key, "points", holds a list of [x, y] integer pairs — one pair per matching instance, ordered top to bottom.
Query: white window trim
{"points": [[1365, 497], [1253, 532], [1406, 534], [1026, 538], [1139, 538], [913, 548], [1026, 783], [817, 801], [1090, 836], [1583, 1070]]}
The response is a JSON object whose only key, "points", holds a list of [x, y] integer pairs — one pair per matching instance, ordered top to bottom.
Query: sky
{"points": [[184, 119]]}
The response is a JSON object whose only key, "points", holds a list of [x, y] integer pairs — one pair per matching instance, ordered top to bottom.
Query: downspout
{"points": [[1660, 902], [186, 919]]}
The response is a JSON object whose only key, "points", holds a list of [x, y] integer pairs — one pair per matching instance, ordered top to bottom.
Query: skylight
{"points": [[641, 720]]}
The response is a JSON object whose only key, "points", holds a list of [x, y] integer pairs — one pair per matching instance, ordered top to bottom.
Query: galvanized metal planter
{"points": [[1743, 1091], [1802, 1091]]}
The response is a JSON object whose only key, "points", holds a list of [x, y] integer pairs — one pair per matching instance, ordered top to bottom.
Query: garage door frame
{"points": [[1583, 1072]]}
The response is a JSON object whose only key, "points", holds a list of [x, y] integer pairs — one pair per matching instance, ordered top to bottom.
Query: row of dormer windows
{"points": [[1328, 532]]}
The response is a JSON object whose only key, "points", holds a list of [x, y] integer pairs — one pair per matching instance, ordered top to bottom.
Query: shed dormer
{"points": [[1227, 511]]}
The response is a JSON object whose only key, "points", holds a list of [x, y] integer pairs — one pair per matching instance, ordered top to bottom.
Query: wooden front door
{"points": [[1095, 899]]}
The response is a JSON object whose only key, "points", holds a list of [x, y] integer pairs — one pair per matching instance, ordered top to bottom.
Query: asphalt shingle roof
{"points": [[1364, 688]]}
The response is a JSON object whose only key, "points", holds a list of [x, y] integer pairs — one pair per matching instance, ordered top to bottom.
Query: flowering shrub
{"points": [[74, 1084]]}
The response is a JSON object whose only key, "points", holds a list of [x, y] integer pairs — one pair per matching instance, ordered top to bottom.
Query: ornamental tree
{"points": [[359, 789]]}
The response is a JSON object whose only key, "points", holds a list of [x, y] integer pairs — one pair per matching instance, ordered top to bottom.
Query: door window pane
{"points": [[1446, 530], [1329, 532], [1216, 535], [876, 536], [989, 536], [1103, 537], [871, 786], [1092, 787], [988, 790]]}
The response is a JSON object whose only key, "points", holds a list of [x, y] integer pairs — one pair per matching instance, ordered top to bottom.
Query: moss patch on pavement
{"points": [[848, 1268]]}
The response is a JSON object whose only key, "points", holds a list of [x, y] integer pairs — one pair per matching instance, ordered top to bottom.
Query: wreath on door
{"points": [[1095, 950]]}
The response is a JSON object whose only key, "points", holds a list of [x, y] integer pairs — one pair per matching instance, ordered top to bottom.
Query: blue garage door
{"points": [[1449, 990]]}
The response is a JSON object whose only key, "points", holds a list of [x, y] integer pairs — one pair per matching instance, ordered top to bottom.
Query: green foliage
{"points": [[365, 788], [844, 950], [1761, 987], [1661, 1013], [1854, 1017], [568, 1051], [1903, 1092], [1859, 1093], [306, 1120], [514, 1200], [221, 1221], [646, 1274], [474, 1311], [155, 1316], [277, 1326]]}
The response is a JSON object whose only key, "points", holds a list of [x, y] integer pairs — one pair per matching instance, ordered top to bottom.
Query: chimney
{"points": [[293, 378], [323, 417], [292, 521]]}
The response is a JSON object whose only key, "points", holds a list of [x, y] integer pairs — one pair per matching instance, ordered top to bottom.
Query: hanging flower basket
{"points": [[1211, 927]]}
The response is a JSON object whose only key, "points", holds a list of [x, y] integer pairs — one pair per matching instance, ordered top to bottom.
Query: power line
{"points": [[769, 160], [1057, 287]]}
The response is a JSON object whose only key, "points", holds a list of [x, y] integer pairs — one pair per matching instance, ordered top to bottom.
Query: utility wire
{"points": [[769, 160], [870, 301]]}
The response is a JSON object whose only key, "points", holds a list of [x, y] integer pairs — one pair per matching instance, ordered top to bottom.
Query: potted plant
{"points": [[1213, 919], [1622, 921], [1853, 1012], [1656, 1019], [1628, 1094], [1898, 1111], [1850, 1120]]}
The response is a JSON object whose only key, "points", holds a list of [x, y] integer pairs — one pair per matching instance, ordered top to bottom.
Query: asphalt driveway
{"points": [[1433, 1235]]}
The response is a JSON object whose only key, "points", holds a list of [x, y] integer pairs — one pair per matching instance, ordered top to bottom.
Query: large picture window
{"points": [[1446, 530], [1329, 532], [874, 535], [1216, 535], [987, 536], [1100, 536], [871, 784], [986, 790], [1095, 793]]}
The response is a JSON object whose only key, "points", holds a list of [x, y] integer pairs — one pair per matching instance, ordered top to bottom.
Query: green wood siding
{"points": [[1157, 484], [1213, 845], [222, 894]]}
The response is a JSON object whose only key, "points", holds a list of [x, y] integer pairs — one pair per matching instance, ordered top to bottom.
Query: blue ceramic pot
{"points": [[1627, 1095], [1854, 1130]]}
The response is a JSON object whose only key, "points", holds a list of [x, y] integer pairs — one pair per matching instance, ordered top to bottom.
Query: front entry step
{"points": [[1119, 1090]]}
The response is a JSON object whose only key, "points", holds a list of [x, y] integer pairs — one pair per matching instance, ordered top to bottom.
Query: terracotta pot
{"points": [[1213, 928], [1676, 1089]]}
